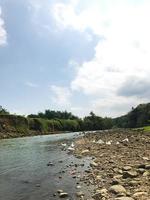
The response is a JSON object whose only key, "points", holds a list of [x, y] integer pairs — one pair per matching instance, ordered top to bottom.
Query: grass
{"points": [[147, 128]]}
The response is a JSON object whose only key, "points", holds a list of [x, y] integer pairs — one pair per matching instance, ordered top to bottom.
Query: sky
{"points": [[74, 55]]}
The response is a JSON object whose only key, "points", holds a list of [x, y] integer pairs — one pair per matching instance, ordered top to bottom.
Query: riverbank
{"points": [[15, 134], [120, 168]]}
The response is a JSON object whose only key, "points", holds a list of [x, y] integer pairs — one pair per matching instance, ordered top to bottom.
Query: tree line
{"points": [[51, 121]]}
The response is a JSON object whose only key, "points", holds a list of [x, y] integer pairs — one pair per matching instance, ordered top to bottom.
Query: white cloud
{"points": [[3, 33], [122, 52], [60, 95]]}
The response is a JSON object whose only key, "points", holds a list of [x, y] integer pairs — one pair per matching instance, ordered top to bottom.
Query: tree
{"points": [[3, 111]]}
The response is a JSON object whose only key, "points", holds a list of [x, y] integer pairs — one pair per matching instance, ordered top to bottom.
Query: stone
{"points": [[85, 151], [146, 158], [50, 164], [93, 164], [147, 166], [127, 168], [141, 170], [130, 174], [146, 174], [98, 178], [133, 183], [117, 189], [60, 191], [103, 192], [79, 194], [63, 195], [138, 195], [124, 198]]}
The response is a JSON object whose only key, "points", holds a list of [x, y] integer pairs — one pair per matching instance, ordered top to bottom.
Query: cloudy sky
{"points": [[75, 55]]}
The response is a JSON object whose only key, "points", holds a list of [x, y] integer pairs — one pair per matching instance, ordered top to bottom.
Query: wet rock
{"points": [[50, 164], [117, 189], [60, 191], [63, 195]]}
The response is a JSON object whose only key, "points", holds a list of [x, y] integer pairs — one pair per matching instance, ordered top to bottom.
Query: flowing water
{"points": [[24, 174]]}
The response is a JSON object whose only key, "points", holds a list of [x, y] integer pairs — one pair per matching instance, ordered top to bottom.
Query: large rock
{"points": [[117, 189]]}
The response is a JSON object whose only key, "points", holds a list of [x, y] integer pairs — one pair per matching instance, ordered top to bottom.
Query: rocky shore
{"points": [[119, 167]]}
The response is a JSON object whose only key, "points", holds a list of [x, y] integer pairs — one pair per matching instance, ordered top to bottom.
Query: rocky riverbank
{"points": [[120, 164]]}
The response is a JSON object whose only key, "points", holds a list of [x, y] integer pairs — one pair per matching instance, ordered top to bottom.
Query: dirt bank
{"points": [[120, 166]]}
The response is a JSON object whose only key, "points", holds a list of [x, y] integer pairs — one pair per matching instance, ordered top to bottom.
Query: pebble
{"points": [[78, 187], [117, 189]]}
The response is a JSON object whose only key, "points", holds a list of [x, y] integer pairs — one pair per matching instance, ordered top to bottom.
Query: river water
{"points": [[24, 174]]}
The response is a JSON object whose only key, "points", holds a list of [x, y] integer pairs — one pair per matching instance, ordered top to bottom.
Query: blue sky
{"points": [[74, 55]]}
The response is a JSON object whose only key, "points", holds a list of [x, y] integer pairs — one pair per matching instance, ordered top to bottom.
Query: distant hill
{"points": [[137, 117]]}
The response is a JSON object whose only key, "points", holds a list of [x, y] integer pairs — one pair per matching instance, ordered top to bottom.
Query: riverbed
{"points": [[25, 175]]}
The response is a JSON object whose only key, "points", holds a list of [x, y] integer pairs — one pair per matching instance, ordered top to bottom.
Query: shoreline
{"points": [[11, 135], [120, 166]]}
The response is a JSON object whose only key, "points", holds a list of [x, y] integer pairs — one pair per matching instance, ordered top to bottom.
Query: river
{"points": [[24, 174]]}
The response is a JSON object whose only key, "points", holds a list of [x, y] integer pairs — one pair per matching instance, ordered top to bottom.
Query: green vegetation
{"points": [[137, 117], [57, 121], [147, 128]]}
